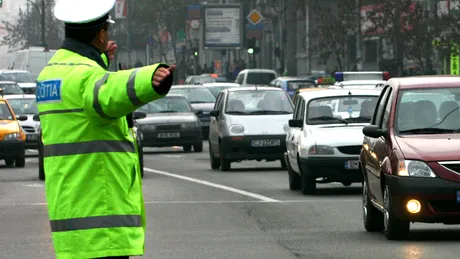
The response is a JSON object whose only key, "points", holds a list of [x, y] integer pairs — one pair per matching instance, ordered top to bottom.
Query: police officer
{"points": [[93, 183]]}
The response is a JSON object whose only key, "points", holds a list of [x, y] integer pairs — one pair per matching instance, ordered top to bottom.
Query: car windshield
{"points": [[17, 77], [260, 78], [294, 85], [11, 89], [217, 89], [195, 94], [258, 102], [166, 105], [23, 106], [341, 109], [428, 111], [5, 113]]}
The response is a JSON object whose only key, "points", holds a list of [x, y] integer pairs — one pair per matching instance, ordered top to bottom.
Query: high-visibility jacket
{"points": [[93, 183]]}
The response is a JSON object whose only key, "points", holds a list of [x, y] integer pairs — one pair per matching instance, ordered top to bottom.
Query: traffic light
{"points": [[252, 46]]}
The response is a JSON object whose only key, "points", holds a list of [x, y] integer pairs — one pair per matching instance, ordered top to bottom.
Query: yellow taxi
{"points": [[12, 137]]}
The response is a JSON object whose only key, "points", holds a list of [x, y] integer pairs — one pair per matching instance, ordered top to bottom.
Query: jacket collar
{"points": [[85, 50]]}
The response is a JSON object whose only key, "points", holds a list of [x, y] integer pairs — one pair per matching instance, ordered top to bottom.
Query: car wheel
{"points": [[198, 147], [187, 148], [9, 161], [20, 161], [215, 162], [283, 163], [225, 164], [294, 179], [308, 182], [346, 184], [372, 217], [394, 228]]}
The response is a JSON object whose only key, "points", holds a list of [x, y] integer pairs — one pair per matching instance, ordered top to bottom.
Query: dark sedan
{"points": [[171, 121]]}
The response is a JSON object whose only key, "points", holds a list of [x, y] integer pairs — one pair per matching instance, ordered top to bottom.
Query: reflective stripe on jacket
{"points": [[93, 184]]}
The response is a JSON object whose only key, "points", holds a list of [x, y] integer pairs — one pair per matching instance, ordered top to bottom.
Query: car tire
{"points": [[198, 147], [187, 148], [9, 161], [20, 161], [215, 162], [283, 163], [225, 164], [294, 179], [308, 182], [346, 184], [372, 217], [394, 228]]}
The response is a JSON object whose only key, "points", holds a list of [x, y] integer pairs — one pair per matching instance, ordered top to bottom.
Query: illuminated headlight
{"points": [[190, 125], [286, 127], [236, 129], [13, 136], [320, 150], [414, 168]]}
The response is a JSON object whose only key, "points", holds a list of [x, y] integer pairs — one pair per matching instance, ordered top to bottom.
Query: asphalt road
{"points": [[249, 212]]}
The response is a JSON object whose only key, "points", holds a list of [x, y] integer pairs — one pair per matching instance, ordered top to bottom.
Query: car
{"points": [[21, 77], [253, 77], [199, 79], [292, 84], [361, 84], [9, 87], [216, 88], [303, 90], [201, 99], [26, 105], [171, 121], [248, 124], [136, 133], [12, 137], [324, 137], [411, 157]]}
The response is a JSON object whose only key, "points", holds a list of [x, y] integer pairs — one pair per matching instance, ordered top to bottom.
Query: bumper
{"points": [[159, 139], [31, 141], [240, 148], [12, 149], [332, 168], [438, 199]]}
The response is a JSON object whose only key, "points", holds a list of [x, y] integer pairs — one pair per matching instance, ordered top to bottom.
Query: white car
{"points": [[256, 76], [21, 77], [360, 84], [25, 104], [247, 123], [323, 142]]}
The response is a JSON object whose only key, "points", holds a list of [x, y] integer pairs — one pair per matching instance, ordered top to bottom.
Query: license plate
{"points": [[169, 135], [31, 137], [266, 143], [352, 165], [458, 196]]}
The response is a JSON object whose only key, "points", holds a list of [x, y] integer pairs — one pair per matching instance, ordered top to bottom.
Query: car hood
{"points": [[27, 85], [205, 107], [173, 117], [30, 121], [261, 124], [7, 127], [339, 135], [430, 147]]}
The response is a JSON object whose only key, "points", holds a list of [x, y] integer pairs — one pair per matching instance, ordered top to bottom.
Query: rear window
{"points": [[260, 78]]}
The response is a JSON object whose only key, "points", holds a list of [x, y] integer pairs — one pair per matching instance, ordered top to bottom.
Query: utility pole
{"points": [[43, 31], [359, 61]]}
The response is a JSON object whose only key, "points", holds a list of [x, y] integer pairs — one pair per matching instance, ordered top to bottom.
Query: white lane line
{"points": [[32, 150], [172, 156], [218, 186], [201, 202]]}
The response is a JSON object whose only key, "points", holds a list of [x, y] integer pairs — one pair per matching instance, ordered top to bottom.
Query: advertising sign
{"points": [[222, 28]]}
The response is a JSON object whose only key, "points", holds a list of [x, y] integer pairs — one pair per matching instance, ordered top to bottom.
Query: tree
{"points": [[335, 24]]}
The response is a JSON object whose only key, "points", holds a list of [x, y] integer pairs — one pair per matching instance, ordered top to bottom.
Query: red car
{"points": [[411, 156]]}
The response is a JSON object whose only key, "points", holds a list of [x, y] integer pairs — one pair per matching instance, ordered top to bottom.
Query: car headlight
{"points": [[190, 125], [286, 127], [236, 129], [12, 136], [320, 150], [414, 168]]}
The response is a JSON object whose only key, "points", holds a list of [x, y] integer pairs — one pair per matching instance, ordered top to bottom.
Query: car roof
{"points": [[262, 70], [14, 71], [7, 82], [360, 82], [420, 82], [221, 84], [186, 86], [252, 88], [338, 92], [175, 95], [19, 96]]}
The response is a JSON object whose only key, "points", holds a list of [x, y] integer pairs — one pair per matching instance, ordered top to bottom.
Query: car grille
{"points": [[168, 127], [28, 129], [350, 150], [453, 167], [445, 206]]}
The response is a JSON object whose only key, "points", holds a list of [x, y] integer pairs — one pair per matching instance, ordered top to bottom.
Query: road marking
{"points": [[32, 150], [172, 156], [31, 159], [35, 185], [218, 186]]}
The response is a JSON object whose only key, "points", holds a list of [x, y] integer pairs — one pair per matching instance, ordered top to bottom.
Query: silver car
{"points": [[216, 88], [171, 121], [248, 124]]}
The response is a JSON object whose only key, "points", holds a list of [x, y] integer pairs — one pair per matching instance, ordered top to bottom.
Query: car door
{"points": [[214, 125], [290, 134], [296, 135]]}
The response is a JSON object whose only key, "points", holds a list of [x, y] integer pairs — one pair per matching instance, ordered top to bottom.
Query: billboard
{"points": [[222, 26]]}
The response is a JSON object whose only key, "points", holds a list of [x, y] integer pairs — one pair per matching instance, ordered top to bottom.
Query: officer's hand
{"points": [[111, 48], [161, 74]]}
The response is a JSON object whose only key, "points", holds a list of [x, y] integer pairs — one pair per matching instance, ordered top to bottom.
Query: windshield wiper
{"points": [[200, 102], [167, 111], [269, 112], [236, 113], [328, 118], [359, 119], [429, 131]]}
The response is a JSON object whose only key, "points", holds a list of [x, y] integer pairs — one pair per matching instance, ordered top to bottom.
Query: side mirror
{"points": [[198, 112], [214, 113], [139, 115], [36, 117], [21, 118], [295, 123], [373, 131]]}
